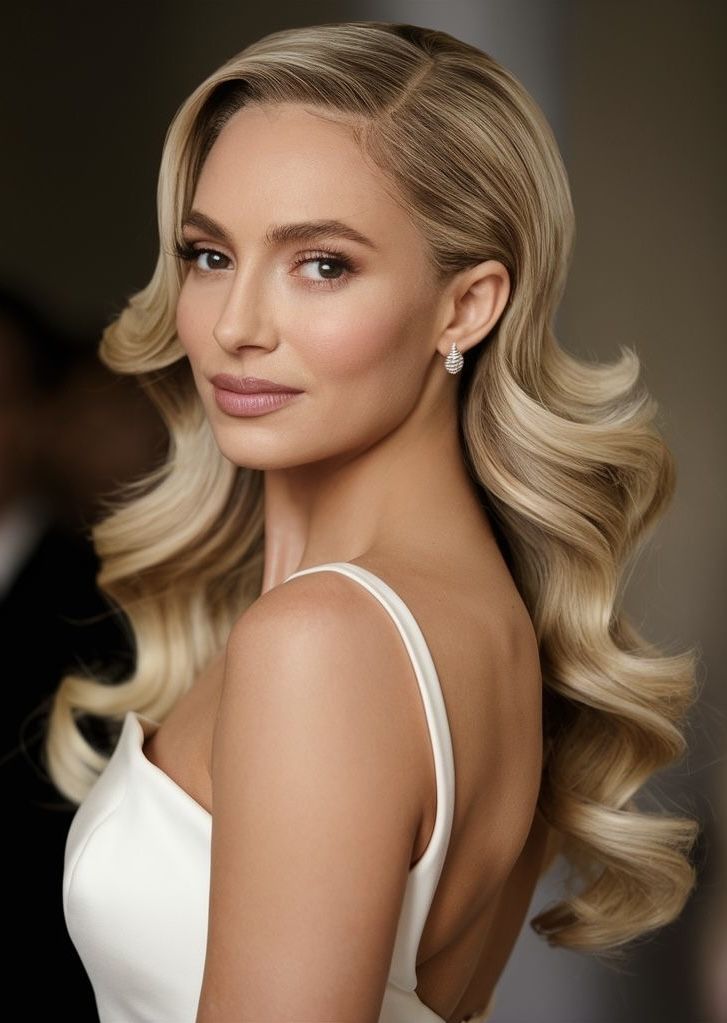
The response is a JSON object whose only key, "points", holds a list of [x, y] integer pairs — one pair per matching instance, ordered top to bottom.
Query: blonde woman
{"points": [[382, 673]]}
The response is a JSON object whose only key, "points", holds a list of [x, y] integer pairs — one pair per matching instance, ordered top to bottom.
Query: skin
{"points": [[378, 404], [365, 464]]}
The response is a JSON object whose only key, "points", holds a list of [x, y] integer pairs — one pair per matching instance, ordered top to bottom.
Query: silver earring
{"points": [[455, 360]]}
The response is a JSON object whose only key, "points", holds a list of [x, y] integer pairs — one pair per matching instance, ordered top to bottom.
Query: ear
{"points": [[475, 301]]}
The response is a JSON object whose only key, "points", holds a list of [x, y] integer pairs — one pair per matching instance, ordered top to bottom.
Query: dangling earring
{"points": [[455, 360]]}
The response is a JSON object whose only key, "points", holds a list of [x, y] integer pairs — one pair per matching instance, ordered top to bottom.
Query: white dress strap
{"points": [[424, 875]]}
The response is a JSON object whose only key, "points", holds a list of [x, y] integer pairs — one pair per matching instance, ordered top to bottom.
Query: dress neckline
{"points": [[143, 731]]}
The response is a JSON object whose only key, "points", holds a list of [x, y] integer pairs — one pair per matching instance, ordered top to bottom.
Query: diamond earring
{"points": [[454, 361]]}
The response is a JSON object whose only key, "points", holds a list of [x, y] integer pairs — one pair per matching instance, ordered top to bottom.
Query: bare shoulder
{"points": [[322, 607], [323, 644], [315, 822]]}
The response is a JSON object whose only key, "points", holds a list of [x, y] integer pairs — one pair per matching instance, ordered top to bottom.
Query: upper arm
{"points": [[314, 817]]}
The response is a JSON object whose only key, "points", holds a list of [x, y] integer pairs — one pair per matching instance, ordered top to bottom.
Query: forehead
{"points": [[296, 163]]}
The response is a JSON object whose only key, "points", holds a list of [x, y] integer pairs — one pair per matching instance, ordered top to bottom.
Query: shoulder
{"points": [[321, 614], [323, 646], [314, 818]]}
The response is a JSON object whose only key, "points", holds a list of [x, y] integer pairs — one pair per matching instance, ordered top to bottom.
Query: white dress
{"points": [[137, 867]]}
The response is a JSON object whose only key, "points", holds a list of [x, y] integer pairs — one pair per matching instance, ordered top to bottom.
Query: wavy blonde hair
{"points": [[565, 455]]}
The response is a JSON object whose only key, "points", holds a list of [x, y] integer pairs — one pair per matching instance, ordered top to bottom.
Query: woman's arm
{"points": [[314, 821]]}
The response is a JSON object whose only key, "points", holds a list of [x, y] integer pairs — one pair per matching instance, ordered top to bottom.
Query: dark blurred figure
{"points": [[102, 431], [69, 432]]}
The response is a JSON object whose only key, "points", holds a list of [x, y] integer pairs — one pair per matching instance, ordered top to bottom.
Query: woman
{"points": [[305, 818]]}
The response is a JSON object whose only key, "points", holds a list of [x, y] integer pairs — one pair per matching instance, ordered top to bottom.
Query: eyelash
{"points": [[188, 253]]}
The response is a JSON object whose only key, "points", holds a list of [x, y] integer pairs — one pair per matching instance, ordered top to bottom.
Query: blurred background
{"points": [[636, 95]]}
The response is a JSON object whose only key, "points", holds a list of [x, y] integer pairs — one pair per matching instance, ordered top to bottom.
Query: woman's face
{"points": [[355, 337]]}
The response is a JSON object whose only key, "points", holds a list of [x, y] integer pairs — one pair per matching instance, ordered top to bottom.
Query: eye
{"points": [[190, 254], [343, 267]]}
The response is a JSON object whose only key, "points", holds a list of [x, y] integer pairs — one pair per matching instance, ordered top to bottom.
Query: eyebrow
{"points": [[278, 234]]}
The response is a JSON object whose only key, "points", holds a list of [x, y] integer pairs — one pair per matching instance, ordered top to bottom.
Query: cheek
{"points": [[191, 323], [355, 346], [363, 364]]}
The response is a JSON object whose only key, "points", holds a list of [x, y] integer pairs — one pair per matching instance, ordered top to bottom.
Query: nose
{"points": [[239, 322]]}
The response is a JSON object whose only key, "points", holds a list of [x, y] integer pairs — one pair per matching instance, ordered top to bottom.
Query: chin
{"points": [[254, 457]]}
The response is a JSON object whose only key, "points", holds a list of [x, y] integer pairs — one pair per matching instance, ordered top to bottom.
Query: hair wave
{"points": [[566, 456]]}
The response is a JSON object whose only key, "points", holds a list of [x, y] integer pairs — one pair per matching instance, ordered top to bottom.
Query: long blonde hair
{"points": [[565, 454]]}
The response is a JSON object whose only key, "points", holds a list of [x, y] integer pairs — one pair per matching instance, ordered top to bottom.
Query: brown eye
{"points": [[190, 254], [215, 257], [326, 264], [335, 268]]}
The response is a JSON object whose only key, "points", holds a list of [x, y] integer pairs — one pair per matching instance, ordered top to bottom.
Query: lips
{"points": [[251, 385]]}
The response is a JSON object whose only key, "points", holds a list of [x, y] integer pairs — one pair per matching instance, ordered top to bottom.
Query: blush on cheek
{"points": [[190, 321], [347, 348]]}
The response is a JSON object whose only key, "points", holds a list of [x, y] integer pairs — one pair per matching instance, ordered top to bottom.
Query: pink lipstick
{"points": [[250, 396]]}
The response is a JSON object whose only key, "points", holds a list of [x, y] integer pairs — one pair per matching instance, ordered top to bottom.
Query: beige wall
{"points": [[647, 155]]}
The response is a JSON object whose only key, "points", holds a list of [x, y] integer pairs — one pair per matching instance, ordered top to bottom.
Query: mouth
{"points": [[251, 385], [252, 403]]}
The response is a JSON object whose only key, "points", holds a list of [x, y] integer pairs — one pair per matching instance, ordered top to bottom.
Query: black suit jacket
{"points": [[52, 619]]}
